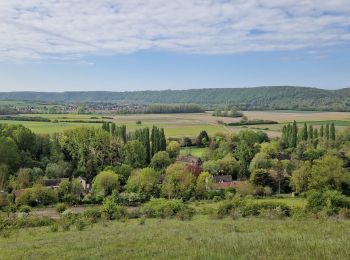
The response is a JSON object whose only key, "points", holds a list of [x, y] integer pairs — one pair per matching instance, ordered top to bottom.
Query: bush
{"points": [[216, 193], [37, 195], [329, 201], [60, 207], [248, 207], [164, 208], [25, 209], [112, 210], [299, 213], [92, 214], [80, 224], [54, 227]]}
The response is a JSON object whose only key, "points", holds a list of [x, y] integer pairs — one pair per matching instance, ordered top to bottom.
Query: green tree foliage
{"points": [[260, 98], [174, 108], [321, 131], [311, 132], [327, 132], [332, 132], [304, 133], [143, 136], [202, 139], [158, 140], [89, 149], [173, 149], [9, 153], [244, 153], [135, 154], [160, 160], [260, 161], [57, 170], [123, 171], [328, 173], [4, 176], [262, 177], [300, 177], [23, 178], [144, 182], [178, 182], [105, 183], [204, 185], [70, 191], [37, 195]]}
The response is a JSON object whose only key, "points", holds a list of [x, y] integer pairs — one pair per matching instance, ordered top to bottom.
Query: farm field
{"points": [[179, 125], [195, 151], [201, 238]]}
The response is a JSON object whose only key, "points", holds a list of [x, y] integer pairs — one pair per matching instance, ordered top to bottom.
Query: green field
{"points": [[180, 125], [198, 152], [200, 238]]}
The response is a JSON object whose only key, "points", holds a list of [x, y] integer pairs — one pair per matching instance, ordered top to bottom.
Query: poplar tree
{"points": [[322, 131], [311, 132], [327, 132], [332, 132], [304, 133], [294, 134]]}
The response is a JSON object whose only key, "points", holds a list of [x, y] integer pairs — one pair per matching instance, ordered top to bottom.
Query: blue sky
{"points": [[140, 45]]}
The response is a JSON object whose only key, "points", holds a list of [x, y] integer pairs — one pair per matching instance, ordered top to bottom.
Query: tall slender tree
{"points": [[311, 132], [327, 132], [332, 132], [304, 133], [294, 134]]}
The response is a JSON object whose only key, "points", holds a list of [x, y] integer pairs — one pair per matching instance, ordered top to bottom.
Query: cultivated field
{"points": [[179, 125], [201, 238]]}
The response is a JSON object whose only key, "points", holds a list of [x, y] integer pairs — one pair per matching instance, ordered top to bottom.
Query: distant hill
{"points": [[276, 97]]}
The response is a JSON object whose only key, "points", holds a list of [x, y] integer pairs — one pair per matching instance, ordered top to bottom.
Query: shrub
{"points": [[216, 193], [37, 195], [329, 201], [60, 207], [248, 207], [164, 208], [25, 209], [111, 209], [299, 213], [92, 214], [80, 224], [54, 227]]}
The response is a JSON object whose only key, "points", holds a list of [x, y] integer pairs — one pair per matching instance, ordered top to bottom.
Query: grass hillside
{"points": [[275, 97], [201, 238]]}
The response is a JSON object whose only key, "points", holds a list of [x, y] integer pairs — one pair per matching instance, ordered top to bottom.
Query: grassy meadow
{"points": [[180, 125], [201, 238]]}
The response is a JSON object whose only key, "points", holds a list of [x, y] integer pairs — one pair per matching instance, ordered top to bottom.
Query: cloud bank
{"points": [[72, 29]]}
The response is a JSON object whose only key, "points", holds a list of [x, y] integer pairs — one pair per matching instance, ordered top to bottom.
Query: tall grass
{"points": [[201, 238]]}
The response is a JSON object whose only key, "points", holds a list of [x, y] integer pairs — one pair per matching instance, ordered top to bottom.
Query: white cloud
{"points": [[71, 29]]}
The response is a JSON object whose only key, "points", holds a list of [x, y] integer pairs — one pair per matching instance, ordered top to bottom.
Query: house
{"points": [[194, 164], [222, 178], [53, 183], [84, 183], [230, 184]]}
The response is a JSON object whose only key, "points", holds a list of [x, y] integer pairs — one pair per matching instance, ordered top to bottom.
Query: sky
{"points": [[119, 45]]}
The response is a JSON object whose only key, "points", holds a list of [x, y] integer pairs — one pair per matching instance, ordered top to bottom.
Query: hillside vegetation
{"points": [[276, 97]]}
